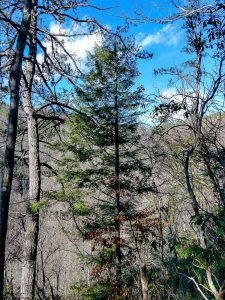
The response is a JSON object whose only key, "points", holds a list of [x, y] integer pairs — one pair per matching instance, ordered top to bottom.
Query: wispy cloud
{"points": [[168, 35]]}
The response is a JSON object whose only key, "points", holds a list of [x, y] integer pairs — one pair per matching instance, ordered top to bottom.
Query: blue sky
{"points": [[165, 41]]}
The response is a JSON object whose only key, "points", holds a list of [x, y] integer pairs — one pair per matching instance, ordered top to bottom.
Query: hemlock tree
{"points": [[106, 166]]}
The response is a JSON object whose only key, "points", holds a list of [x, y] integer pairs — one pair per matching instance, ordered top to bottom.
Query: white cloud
{"points": [[168, 35], [75, 39], [83, 44], [40, 58], [183, 97]]}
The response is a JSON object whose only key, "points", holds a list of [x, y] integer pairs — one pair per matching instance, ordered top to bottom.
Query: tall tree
{"points": [[14, 86], [112, 172], [28, 277]]}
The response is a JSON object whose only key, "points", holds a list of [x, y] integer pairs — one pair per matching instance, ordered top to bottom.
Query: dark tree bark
{"points": [[8, 163]]}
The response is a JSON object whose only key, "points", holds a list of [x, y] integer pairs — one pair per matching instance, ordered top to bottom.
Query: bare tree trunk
{"points": [[7, 176], [32, 220], [28, 278], [144, 281]]}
